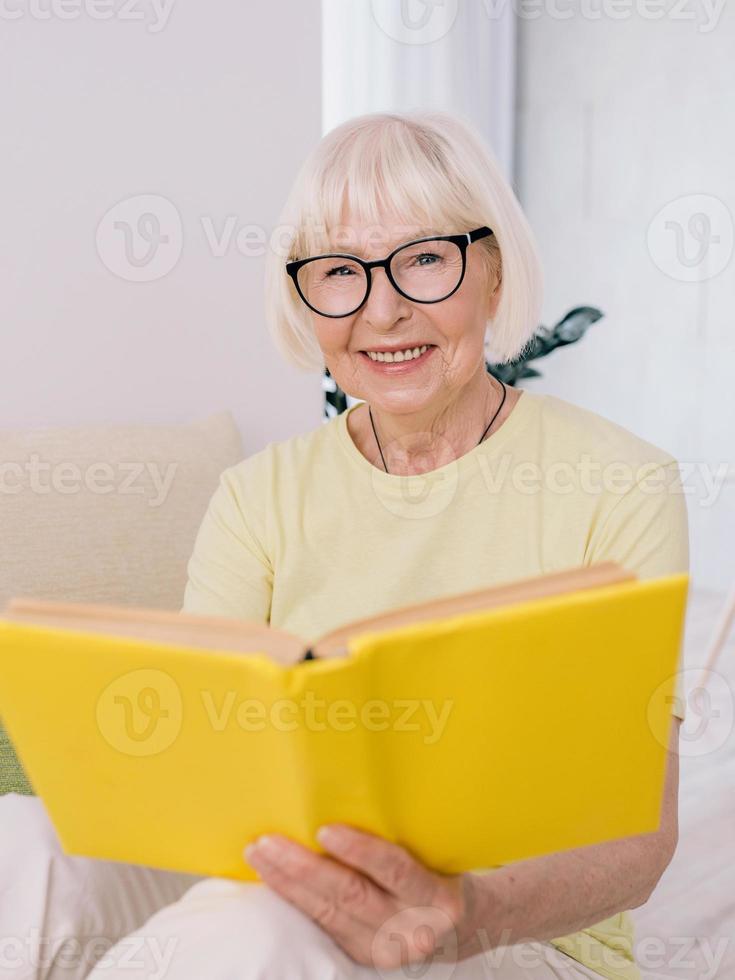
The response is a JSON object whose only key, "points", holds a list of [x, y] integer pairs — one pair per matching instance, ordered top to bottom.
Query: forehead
{"points": [[375, 239]]}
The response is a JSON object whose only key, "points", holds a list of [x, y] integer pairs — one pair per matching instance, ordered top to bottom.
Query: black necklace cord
{"points": [[502, 402], [487, 429], [376, 439]]}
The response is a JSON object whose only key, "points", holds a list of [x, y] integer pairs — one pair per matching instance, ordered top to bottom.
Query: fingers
{"points": [[389, 865], [365, 885], [340, 900]]}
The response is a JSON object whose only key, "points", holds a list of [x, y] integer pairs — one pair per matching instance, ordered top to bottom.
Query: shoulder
{"points": [[567, 431], [282, 460], [625, 490]]}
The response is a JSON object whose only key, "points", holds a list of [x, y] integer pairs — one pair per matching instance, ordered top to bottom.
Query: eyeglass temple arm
{"points": [[483, 232]]}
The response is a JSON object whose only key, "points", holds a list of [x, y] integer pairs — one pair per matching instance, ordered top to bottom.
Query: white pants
{"points": [[59, 915], [224, 930]]}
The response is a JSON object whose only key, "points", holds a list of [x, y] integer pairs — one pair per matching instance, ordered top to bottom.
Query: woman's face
{"points": [[454, 329]]}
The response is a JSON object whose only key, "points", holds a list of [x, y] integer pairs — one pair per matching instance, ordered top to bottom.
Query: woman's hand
{"points": [[374, 899]]}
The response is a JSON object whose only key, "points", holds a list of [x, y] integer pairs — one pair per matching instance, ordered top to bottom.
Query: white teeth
{"points": [[399, 355]]}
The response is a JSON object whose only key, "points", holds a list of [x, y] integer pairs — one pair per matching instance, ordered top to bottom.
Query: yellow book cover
{"points": [[460, 735]]}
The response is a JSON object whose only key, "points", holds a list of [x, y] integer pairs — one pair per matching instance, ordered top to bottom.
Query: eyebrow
{"points": [[388, 247]]}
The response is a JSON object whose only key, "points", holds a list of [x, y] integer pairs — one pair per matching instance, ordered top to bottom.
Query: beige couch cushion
{"points": [[107, 513]]}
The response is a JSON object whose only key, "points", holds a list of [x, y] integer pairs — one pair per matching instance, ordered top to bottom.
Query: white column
{"points": [[456, 55]]}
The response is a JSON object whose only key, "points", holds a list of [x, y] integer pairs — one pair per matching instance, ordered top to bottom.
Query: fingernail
{"points": [[329, 837], [270, 847], [262, 853]]}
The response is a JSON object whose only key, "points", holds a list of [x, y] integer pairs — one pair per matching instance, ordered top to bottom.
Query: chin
{"points": [[399, 401]]}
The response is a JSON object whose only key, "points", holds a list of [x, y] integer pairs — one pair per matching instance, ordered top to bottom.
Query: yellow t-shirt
{"points": [[307, 534]]}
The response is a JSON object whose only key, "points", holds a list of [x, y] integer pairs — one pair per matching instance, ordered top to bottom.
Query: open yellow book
{"points": [[475, 730]]}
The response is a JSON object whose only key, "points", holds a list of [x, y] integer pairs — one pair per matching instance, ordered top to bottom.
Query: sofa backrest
{"points": [[107, 513]]}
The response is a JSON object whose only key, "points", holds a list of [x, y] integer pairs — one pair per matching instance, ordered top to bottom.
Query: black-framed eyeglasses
{"points": [[426, 270]]}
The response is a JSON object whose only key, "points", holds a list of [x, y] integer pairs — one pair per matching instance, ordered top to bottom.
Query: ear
{"points": [[494, 297]]}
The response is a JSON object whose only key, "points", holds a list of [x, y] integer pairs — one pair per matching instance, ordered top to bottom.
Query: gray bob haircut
{"points": [[427, 168]]}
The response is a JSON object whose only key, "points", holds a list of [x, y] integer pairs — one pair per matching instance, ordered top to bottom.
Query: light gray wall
{"points": [[213, 111], [619, 119]]}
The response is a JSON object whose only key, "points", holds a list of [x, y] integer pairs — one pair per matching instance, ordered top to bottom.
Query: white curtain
{"points": [[458, 55]]}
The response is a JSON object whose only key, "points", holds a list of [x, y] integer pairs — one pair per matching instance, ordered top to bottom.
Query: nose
{"points": [[385, 305]]}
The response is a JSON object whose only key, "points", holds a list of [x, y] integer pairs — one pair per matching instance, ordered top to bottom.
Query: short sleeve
{"points": [[647, 532], [229, 572]]}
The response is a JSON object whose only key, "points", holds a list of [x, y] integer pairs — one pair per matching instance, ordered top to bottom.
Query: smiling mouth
{"points": [[397, 356]]}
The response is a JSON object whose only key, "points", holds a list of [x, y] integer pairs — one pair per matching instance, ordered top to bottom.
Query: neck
{"points": [[417, 442]]}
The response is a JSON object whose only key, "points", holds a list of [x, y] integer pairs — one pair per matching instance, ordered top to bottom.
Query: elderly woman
{"points": [[409, 257]]}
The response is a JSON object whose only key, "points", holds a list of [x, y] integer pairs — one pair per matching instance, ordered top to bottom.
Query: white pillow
{"points": [[60, 914]]}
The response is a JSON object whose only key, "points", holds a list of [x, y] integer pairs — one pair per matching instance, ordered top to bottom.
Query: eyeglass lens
{"points": [[425, 271]]}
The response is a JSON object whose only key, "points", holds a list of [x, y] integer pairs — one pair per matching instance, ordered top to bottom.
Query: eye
{"points": [[427, 255], [337, 271]]}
